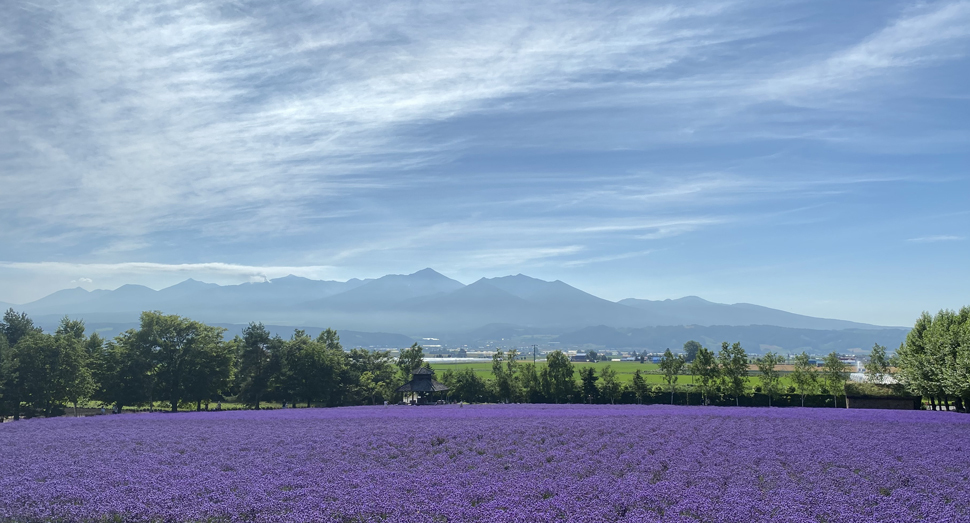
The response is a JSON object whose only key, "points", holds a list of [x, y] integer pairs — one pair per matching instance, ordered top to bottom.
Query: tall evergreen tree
{"points": [[587, 380], [639, 386]]}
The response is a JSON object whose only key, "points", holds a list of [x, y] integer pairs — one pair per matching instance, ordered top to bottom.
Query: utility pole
{"points": [[534, 354]]}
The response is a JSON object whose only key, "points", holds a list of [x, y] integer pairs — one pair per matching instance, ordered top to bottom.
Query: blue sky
{"points": [[810, 156]]}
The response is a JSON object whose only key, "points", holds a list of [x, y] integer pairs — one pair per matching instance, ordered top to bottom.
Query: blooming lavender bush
{"points": [[491, 463]]}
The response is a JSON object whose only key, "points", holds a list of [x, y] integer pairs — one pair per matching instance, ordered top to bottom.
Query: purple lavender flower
{"points": [[491, 463]]}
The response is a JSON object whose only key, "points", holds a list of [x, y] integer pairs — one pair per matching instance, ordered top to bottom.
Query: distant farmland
{"points": [[624, 371]]}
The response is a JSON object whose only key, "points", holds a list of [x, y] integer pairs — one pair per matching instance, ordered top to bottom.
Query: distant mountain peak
{"points": [[428, 272], [288, 278], [189, 285], [691, 299]]}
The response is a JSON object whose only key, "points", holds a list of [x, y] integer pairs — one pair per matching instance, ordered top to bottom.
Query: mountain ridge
{"points": [[420, 302]]}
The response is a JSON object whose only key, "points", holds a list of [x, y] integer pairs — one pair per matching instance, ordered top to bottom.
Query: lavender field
{"points": [[490, 463]]}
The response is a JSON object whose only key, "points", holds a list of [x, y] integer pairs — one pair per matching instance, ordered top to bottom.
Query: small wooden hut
{"points": [[421, 386]]}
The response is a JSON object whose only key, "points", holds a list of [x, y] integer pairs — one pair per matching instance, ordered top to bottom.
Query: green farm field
{"points": [[624, 371]]}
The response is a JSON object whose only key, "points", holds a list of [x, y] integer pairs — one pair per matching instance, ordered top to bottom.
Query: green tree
{"points": [[15, 326], [71, 328], [943, 343], [691, 348], [181, 349], [592, 356], [409, 360], [37, 363], [671, 365], [878, 365], [209, 367], [706, 368], [916, 368], [122, 370], [255, 370], [379, 370], [734, 370], [512, 372], [6, 373], [302, 373], [336, 373], [805, 376], [834, 376], [557, 377], [770, 378], [587, 379], [956, 379], [503, 380], [78, 381], [531, 383], [369, 385], [465, 385], [639, 386], [610, 388]]}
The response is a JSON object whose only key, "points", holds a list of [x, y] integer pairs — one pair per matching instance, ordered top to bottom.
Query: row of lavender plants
{"points": [[493, 463]]}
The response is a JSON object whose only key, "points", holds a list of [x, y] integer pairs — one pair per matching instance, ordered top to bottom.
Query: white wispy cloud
{"points": [[929, 33], [169, 117], [339, 139], [938, 238], [604, 259], [140, 269]]}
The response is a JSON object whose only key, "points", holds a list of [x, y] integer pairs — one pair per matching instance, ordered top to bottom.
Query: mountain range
{"points": [[419, 304]]}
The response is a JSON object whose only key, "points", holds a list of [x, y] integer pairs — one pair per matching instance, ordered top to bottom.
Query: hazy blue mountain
{"points": [[527, 287], [186, 288], [388, 292], [277, 294], [126, 298], [480, 298], [63, 300], [205, 301], [524, 301], [425, 303], [692, 310], [756, 339]]}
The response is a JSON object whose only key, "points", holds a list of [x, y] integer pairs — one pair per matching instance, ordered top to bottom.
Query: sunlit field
{"points": [[624, 371], [490, 463]]}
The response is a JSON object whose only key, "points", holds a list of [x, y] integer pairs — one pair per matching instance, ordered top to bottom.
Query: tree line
{"points": [[934, 361], [181, 364], [184, 364], [718, 375]]}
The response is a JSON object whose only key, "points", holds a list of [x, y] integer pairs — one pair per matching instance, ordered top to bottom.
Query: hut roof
{"points": [[422, 370], [422, 386]]}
